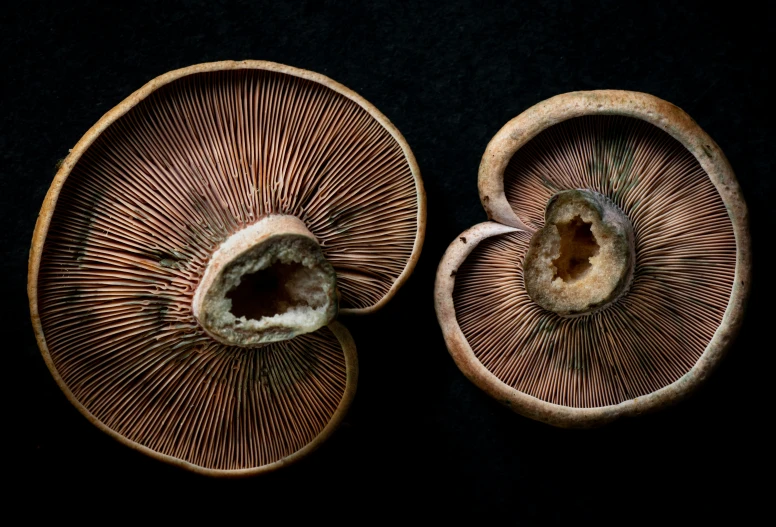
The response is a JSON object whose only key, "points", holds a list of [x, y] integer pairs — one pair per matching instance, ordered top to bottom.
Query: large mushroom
{"points": [[195, 247], [613, 275]]}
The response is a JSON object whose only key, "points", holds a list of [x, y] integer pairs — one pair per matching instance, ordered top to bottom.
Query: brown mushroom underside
{"points": [[138, 210], [645, 346]]}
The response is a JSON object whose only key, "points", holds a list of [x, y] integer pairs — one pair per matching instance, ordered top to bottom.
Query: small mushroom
{"points": [[195, 247], [612, 277]]}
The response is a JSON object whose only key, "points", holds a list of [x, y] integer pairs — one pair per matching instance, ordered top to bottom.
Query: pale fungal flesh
{"points": [[197, 243], [581, 261], [266, 283], [647, 340]]}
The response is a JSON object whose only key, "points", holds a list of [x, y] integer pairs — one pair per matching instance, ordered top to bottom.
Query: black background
{"points": [[420, 441]]}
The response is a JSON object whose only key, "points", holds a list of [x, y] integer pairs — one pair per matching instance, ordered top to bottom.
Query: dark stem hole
{"points": [[577, 246], [265, 292]]}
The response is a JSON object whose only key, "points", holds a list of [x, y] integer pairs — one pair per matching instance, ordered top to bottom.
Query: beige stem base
{"points": [[582, 260], [277, 273]]}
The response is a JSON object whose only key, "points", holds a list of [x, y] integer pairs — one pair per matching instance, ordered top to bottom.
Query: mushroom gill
{"points": [[214, 152], [195, 247], [684, 267], [635, 341], [203, 406]]}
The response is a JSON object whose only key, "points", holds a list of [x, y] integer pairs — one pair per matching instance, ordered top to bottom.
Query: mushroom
{"points": [[195, 247], [613, 274]]}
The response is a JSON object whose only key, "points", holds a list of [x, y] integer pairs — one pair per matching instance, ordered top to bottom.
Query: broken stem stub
{"points": [[582, 260], [266, 283]]}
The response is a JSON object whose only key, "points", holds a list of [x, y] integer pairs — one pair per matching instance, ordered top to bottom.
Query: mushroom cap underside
{"points": [[289, 141], [142, 202], [656, 343], [208, 408]]}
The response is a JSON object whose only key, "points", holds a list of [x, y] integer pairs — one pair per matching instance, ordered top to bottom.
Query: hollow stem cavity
{"points": [[577, 247], [582, 259], [266, 283]]}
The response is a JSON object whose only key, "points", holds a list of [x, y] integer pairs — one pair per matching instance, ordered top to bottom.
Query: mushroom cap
{"points": [[322, 153], [145, 198], [656, 343]]}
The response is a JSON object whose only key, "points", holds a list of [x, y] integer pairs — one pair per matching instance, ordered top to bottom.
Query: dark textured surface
{"points": [[420, 439]]}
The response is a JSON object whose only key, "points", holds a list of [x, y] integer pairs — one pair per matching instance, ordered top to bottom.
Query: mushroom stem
{"points": [[582, 260], [266, 283]]}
